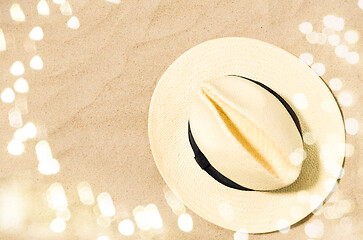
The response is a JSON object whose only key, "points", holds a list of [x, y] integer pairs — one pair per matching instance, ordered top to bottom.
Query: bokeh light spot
{"points": [[59, 1], [114, 1], [43, 8], [66, 9], [17, 13], [329, 21], [333, 22], [73, 23], [339, 24], [305, 27], [36, 33], [351, 36], [312, 37], [322, 38], [334, 39], [2, 41], [341, 50], [352, 57], [307, 58], [36, 63], [17, 68], [318, 68], [335, 84], [21, 85], [7, 95], [345, 99], [300, 101], [15, 118], [351, 126], [30, 130], [19, 135], [309, 138], [15, 147], [349, 150], [43, 151], [297, 157], [49, 167], [330, 184], [85, 193], [57, 199], [316, 201], [174, 203], [105, 204], [12, 209], [226, 211], [64, 214], [153, 215], [141, 218], [103, 221], [185, 222], [58, 225], [283, 226], [126, 227], [315, 229], [240, 235]]}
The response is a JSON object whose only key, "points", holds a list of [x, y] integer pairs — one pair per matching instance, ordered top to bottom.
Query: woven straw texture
{"points": [[255, 212]]}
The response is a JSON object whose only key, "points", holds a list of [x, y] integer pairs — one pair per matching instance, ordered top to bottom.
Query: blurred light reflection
{"points": [[114, 1], [43, 8], [66, 9], [17, 13], [73, 23], [36, 33], [351, 36], [2, 41], [352, 57], [36, 63], [17, 68], [21, 85], [8, 95], [15, 118], [30, 130], [15, 147], [43, 151], [49, 167], [85, 193], [57, 199], [174, 202], [105, 204], [12, 209], [65, 215], [153, 215], [103, 221], [185, 222], [58, 225], [126, 227], [315, 229]]}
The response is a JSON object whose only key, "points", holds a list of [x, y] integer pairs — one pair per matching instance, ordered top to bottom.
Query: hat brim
{"points": [[252, 211]]}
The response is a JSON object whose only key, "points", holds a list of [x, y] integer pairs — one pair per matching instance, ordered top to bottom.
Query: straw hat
{"points": [[248, 136]]}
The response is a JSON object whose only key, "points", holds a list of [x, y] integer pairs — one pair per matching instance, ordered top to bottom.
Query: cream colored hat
{"points": [[240, 131]]}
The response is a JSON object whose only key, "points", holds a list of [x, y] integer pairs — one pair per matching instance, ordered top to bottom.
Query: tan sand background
{"points": [[91, 100]]}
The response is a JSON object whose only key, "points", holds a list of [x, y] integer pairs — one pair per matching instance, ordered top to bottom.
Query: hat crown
{"points": [[246, 133]]}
